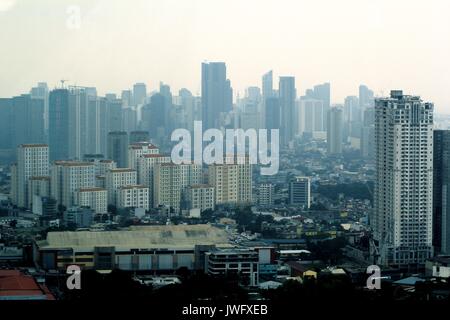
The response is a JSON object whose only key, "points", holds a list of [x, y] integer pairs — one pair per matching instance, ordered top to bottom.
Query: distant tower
{"points": [[217, 95], [287, 96], [334, 130]]}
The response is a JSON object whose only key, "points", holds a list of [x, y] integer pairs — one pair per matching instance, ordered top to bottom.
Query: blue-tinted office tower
{"points": [[217, 95], [287, 95], [272, 111], [154, 116], [27, 120], [5, 123], [58, 124]]}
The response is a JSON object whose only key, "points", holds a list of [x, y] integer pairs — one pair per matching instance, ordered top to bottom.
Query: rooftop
{"points": [[146, 237], [14, 285]]}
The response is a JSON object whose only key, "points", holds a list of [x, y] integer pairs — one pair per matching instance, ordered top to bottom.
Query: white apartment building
{"points": [[138, 149], [32, 161], [146, 165], [102, 166], [68, 177], [116, 178], [171, 181], [232, 182], [265, 194], [135, 196], [201, 196], [94, 198], [402, 220]]}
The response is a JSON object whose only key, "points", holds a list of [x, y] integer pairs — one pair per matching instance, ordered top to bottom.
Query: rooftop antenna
{"points": [[62, 83]]}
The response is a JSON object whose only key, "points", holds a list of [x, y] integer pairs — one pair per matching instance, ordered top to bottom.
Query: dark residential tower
{"points": [[441, 191]]}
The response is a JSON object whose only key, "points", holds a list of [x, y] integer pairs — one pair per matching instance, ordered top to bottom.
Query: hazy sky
{"points": [[384, 44]]}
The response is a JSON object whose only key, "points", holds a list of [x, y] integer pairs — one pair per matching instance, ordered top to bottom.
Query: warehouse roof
{"points": [[139, 237]]}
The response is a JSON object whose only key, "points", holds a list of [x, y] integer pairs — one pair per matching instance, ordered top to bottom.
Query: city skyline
{"points": [[322, 42]]}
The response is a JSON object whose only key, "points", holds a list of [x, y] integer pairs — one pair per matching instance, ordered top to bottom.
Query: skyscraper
{"points": [[267, 85], [267, 92], [322, 92], [139, 93], [217, 95], [287, 96], [272, 112], [27, 120], [59, 124], [334, 130], [118, 148], [441, 191], [402, 220]]}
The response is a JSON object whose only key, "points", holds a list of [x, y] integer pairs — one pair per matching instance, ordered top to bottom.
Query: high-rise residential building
{"points": [[139, 93], [217, 95], [287, 96], [310, 115], [352, 117], [27, 120], [79, 121], [97, 125], [58, 126], [335, 130], [368, 141], [118, 148], [137, 150], [32, 161], [102, 166], [145, 167], [68, 177], [116, 178], [232, 182], [170, 183], [38, 187], [300, 192], [441, 192], [265, 194], [133, 196], [201, 197], [94, 198], [403, 208]]}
